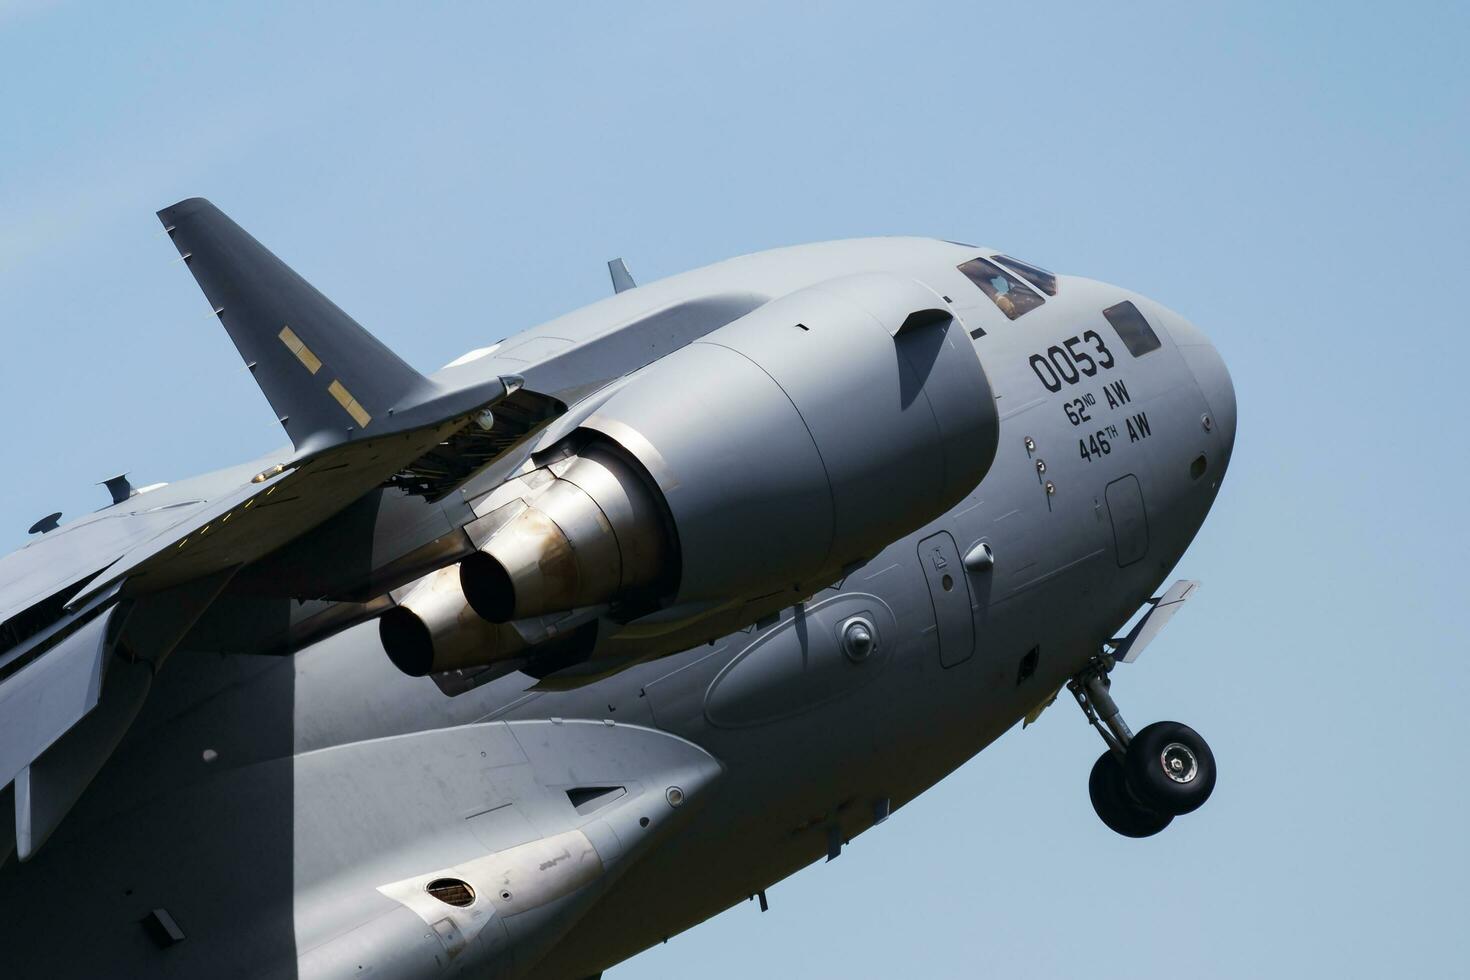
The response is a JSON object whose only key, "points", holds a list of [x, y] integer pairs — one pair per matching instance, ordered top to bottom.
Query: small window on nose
{"points": [[1132, 328]]}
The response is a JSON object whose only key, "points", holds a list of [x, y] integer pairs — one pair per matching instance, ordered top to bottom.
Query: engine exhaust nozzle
{"points": [[593, 535], [434, 629]]}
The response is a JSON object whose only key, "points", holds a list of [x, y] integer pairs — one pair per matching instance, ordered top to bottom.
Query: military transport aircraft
{"points": [[659, 602]]}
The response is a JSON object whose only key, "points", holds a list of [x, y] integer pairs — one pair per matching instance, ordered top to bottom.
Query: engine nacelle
{"points": [[807, 435], [751, 466]]}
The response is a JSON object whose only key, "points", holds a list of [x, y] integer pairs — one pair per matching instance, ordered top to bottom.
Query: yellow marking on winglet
{"points": [[299, 348], [345, 399]]}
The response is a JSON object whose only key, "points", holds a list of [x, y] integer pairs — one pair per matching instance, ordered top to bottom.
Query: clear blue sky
{"points": [[1291, 177]]}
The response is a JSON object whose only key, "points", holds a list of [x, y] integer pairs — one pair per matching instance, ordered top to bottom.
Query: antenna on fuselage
{"points": [[622, 279], [119, 487], [48, 523]]}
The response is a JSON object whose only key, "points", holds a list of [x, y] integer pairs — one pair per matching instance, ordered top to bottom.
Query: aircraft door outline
{"points": [[1129, 518], [949, 592]]}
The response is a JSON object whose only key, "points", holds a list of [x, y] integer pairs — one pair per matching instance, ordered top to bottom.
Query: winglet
{"points": [[622, 279], [326, 377]]}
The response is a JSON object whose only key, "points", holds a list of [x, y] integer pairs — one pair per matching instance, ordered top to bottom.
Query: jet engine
{"points": [[741, 472]]}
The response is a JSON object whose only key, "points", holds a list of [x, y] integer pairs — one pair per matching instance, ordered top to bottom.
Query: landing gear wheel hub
{"points": [[1179, 763], [1170, 768]]}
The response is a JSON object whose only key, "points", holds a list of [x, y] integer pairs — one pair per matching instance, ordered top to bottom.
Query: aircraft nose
{"points": [[1210, 373]]}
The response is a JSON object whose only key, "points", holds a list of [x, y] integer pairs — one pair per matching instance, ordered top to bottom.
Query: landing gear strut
{"points": [[1143, 781]]}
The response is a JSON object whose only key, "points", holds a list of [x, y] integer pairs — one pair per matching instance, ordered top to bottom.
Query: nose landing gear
{"points": [[1142, 782]]}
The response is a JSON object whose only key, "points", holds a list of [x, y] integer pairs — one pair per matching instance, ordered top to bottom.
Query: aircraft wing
{"points": [[355, 412], [358, 417]]}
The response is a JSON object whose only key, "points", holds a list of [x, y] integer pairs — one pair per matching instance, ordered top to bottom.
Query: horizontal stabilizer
{"points": [[328, 379]]}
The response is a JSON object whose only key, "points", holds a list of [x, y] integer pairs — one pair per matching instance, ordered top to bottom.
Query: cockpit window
{"points": [[1035, 275], [1012, 295], [1132, 328]]}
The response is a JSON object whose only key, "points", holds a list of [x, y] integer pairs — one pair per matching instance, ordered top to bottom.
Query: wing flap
{"points": [[46, 698]]}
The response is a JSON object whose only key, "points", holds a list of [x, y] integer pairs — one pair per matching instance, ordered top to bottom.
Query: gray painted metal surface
{"points": [[622, 279], [834, 520], [43, 702]]}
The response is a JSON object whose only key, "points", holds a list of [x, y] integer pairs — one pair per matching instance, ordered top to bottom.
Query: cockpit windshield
{"points": [[1037, 276], [1006, 291]]}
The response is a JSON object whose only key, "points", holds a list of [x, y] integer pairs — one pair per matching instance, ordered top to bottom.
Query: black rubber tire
{"points": [[1150, 783], [1115, 806]]}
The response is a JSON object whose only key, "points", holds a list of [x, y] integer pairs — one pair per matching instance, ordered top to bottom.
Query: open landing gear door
{"points": [[1129, 647]]}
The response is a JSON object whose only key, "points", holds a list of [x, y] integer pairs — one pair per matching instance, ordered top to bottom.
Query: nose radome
{"points": [[1212, 376]]}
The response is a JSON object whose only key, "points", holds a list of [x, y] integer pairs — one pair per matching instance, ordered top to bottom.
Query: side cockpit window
{"points": [[1035, 275], [1006, 291], [1132, 328]]}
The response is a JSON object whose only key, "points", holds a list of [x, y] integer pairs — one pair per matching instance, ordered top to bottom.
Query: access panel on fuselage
{"points": [[1130, 520], [949, 589]]}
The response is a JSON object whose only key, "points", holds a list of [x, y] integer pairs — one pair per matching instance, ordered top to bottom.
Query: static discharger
{"points": [[163, 928]]}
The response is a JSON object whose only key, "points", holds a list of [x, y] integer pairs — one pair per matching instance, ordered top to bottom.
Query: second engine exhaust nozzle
{"points": [[590, 532], [433, 629]]}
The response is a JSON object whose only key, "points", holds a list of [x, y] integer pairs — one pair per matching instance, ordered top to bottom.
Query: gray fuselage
{"points": [[1097, 488]]}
